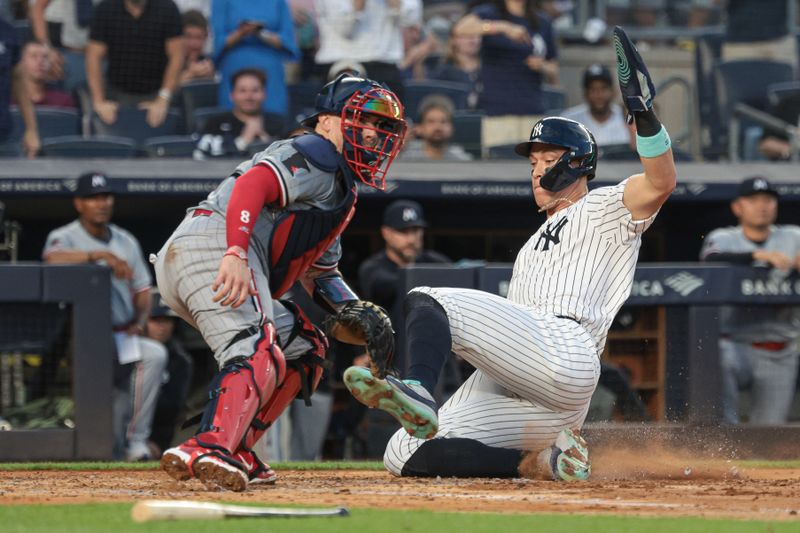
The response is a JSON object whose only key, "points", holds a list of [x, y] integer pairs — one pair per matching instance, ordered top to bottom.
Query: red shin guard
{"points": [[242, 388]]}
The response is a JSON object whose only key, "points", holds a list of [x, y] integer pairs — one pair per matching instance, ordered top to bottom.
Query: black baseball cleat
{"points": [[634, 79]]}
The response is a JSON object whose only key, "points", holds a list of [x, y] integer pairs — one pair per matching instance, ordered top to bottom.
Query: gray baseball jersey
{"points": [[302, 185], [122, 244], [189, 262], [757, 323], [537, 351]]}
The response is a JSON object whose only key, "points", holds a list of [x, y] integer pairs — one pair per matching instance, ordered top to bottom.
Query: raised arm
{"points": [[645, 193]]}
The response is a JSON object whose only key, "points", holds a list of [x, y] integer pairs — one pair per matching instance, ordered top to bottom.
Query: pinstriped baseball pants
{"points": [[186, 267], [535, 376]]}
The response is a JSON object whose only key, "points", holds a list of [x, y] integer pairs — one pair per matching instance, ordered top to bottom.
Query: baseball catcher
{"points": [[277, 220], [537, 352]]}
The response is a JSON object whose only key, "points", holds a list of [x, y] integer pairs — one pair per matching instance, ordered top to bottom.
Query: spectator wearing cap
{"points": [[599, 113], [433, 132], [403, 231], [93, 239], [758, 344], [175, 388]]}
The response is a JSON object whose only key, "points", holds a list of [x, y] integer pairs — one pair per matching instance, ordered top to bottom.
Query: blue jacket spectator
{"points": [[254, 33]]}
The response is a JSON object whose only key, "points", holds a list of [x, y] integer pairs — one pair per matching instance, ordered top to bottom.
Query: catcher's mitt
{"points": [[365, 324]]}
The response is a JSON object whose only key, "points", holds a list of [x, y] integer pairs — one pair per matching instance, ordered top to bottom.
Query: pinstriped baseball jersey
{"points": [[302, 186], [581, 261], [757, 323], [537, 351]]}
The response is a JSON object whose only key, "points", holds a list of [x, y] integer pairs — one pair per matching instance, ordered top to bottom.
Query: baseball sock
{"points": [[428, 339], [462, 458]]}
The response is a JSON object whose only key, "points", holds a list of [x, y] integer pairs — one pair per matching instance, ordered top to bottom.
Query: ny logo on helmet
{"points": [[537, 130]]}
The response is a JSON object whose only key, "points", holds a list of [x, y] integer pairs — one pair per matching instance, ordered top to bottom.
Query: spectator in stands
{"points": [[203, 6], [642, 13], [305, 29], [759, 29], [254, 33], [372, 35], [142, 41], [420, 44], [68, 46], [518, 55], [462, 60], [35, 63], [196, 65], [354, 68], [12, 82], [604, 117], [433, 131], [233, 132], [403, 231], [758, 344], [139, 363], [180, 367]]}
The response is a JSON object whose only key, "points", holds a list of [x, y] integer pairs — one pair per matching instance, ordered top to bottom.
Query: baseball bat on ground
{"points": [[149, 510]]}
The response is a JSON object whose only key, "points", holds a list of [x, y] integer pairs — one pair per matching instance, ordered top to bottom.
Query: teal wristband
{"points": [[653, 146]]}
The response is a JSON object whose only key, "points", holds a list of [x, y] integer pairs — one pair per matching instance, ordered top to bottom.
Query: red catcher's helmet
{"points": [[364, 104]]}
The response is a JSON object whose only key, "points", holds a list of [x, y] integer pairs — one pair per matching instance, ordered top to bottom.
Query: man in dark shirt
{"points": [[142, 40], [230, 134], [403, 230]]}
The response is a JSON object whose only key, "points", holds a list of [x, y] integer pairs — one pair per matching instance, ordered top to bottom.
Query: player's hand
{"points": [[106, 110], [156, 111], [776, 259], [120, 267], [234, 283]]}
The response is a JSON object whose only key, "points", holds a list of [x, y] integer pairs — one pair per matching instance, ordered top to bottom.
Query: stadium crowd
{"points": [[224, 78]]}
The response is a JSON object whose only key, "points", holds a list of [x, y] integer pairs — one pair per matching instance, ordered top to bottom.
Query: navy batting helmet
{"points": [[355, 99], [580, 158]]}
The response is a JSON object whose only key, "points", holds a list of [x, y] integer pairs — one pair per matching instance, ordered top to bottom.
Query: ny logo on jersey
{"points": [[551, 234]]}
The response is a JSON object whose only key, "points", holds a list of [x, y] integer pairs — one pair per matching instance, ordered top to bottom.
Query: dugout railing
{"points": [[79, 297]]}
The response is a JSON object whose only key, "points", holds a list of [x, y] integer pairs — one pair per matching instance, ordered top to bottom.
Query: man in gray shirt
{"points": [[759, 344], [140, 362]]}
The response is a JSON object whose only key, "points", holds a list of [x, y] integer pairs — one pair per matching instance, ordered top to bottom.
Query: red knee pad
{"points": [[238, 391]]}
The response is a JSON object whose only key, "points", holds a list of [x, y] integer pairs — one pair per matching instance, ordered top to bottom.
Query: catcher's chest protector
{"points": [[301, 237]]}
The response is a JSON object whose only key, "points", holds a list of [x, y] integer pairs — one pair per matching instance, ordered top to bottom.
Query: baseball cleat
{"points": [[635, 83], [407, 401], [568, 458], [176, 461], [213, 471], [258, 472]]}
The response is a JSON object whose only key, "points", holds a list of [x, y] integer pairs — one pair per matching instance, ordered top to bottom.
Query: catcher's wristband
{"points": [[655, 145], [238, 253], [332, 293]]}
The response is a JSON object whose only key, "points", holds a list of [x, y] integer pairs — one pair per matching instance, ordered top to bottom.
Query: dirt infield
{"points": [[709, 490]]}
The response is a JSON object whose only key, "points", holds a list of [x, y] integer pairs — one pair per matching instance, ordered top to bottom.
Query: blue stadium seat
{"points": [[745, 81], [416, 90], [197, 94], [200, 116], [52, 122], [131, 123], [467, 131], [75, 146], [170, 146], [10, 149], [503, 151]]}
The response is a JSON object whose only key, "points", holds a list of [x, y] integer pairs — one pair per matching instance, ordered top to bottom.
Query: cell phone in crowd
{"points": [[257, 23]]}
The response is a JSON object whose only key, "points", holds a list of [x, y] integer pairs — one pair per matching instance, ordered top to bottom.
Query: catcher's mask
{"points": [[373, 124], [580, 159]]}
